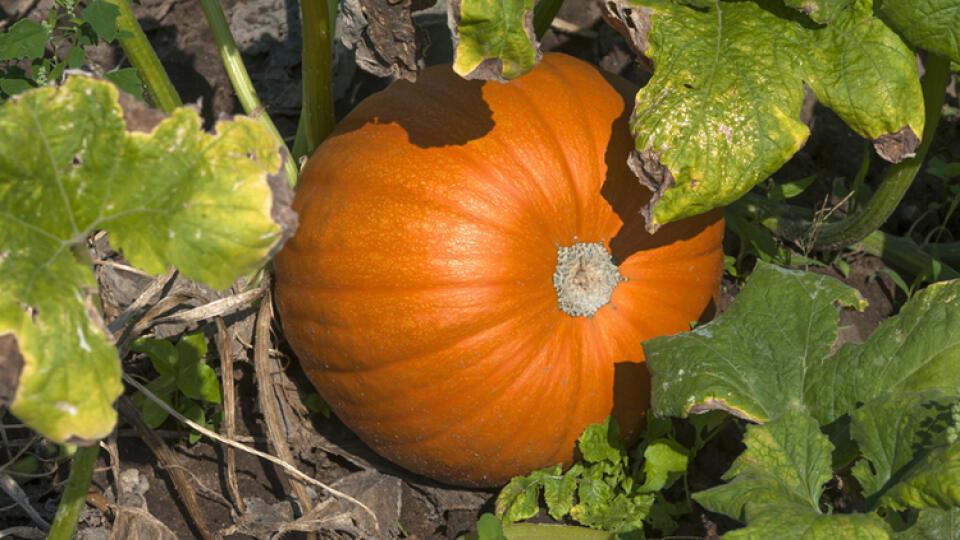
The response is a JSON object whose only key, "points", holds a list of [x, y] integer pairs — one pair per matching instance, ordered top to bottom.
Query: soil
{"points": [[408, 506]]}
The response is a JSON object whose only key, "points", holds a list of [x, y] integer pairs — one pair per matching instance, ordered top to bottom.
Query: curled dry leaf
{"points": [[383, 36]]}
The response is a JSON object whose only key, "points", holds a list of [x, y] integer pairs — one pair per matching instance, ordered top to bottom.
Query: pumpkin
{"points": [[471, 278]]}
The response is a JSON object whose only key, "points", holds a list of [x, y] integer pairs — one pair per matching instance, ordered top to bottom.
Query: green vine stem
{"points": [[543, 14], [145, 60], [240, 79], [316, 117], [840, 234], [75, 493], [540, 531]]}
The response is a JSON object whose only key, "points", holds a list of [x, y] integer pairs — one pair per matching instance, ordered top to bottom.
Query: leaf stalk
{"points": [[145, 60], [240, 78], [317, 115], [75, 493]]}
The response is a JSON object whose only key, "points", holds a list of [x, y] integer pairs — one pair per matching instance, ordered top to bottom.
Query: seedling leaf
{"points": [[102, 17], [24, 39], [493, 39], [176, 195]]}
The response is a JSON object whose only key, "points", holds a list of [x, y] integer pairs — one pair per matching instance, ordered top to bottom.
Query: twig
{"points": [[567, 27], [123, 267], [146, 295], [217, 308], [225, 347], [267, 395], [213, 435], [168, 460], [15, 492], [25, 533]]}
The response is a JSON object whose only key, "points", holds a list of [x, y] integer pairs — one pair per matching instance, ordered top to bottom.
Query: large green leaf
{"points": [[931, 24], [493, 39], [722, 110], [175, 195], [915, 350], [770, 351], [753, 360], [893, 431], [787, 461], [933, 481], [776, 484], [790, 522], [934, 523]]}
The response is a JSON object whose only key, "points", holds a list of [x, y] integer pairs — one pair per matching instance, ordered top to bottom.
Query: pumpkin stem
{"points": [[585, 278]]}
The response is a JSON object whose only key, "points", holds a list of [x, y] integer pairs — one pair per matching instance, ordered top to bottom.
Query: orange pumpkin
{"points": [[451, 291]]}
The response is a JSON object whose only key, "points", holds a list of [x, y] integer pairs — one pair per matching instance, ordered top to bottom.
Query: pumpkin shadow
{"points": [[440, 109], [626, 195]]}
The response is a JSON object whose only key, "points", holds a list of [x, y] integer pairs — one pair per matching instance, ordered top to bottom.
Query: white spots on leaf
{"points": [[171, 234], [83, 340], [67, 408]]}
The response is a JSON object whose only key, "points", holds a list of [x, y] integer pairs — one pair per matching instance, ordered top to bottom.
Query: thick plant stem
{"points": [[543, 14], [144, 58], [240, 79], [316, 117], [855, 228], [75, 493], [540, 531]]}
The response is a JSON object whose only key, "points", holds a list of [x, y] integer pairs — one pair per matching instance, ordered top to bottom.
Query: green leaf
{"points": [[821, 11], [102, 16], [931, 24], [24, 39], [494, 39], [127, 80], [12, 86], [722, 110], [942, 169], [789, 190], [175, 195], [918, 349], [162, 354], [752, 360], [195, 378], [893, 431], [601, 442], [663, 458], [787, 461], [933, 481], [558, 491], [520, 499], [619, 513], [794, 522], [934, 523], [490, 528]]}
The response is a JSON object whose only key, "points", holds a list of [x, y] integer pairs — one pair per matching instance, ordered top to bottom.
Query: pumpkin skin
{"points": [[417, 292]]}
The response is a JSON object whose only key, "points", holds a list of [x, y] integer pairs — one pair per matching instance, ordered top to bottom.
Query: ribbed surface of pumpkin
{"points": [[418, 294]]}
